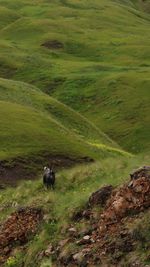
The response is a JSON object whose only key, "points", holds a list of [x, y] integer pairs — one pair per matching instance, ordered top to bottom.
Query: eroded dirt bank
{"points": [[28, 168], [18, 229], [107, 235]]}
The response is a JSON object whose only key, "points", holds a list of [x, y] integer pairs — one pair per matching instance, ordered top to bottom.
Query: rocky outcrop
{"points": [[141, 172], [101, 196], [131, 198], [18, 229], [110, 239]]}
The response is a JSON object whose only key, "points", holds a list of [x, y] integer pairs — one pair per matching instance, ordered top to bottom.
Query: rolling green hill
{"points": [[91, 55], [30, 96], [36, 126]]}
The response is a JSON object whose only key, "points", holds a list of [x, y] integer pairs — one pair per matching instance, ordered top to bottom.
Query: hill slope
{"points": [[90, 55], [30, 96], [35, 128], [64, 222]]}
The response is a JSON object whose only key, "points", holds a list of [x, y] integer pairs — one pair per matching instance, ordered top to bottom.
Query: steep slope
{"points": [[90, 55], [27, 95], [36, 128], [67, 219], [113, 230]]}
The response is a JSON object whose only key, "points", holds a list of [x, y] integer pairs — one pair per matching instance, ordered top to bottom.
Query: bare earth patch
{"points": [[53, 44], [28, 168], [18, 229], [107, 239]]}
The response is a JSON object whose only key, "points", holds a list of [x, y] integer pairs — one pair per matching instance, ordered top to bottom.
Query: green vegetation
{"points": [[91, 55], [74, 84], [21, 93], [41, 126], [73, 188]]}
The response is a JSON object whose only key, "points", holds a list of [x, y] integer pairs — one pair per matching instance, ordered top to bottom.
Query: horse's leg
{"points": [[44, 185]]}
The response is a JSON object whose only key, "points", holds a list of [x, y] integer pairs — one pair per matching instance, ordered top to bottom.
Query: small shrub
{"points": [[14, 261]]}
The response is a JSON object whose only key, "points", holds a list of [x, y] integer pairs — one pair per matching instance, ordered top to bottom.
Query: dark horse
{"points": [[49, 178]]}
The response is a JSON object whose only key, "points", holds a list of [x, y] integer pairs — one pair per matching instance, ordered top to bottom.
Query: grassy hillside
{"points": [[143, 5], [90, 55], [74, 86], [30, 96], [35, 127], [73, 188]]}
